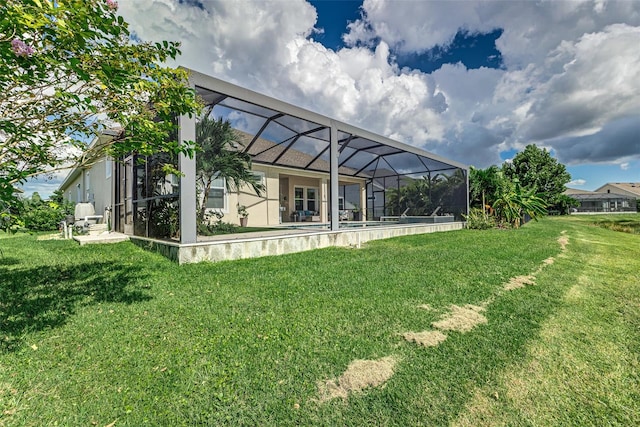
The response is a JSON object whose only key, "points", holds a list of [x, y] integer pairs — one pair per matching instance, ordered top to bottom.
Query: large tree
{"points": [[70, 70], [536, 169]]}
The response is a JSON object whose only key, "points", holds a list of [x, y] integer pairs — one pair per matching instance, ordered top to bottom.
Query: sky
{"points": [[474, 81]]}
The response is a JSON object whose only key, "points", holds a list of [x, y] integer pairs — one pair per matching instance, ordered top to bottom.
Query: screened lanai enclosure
{"points": [[307, 170]]}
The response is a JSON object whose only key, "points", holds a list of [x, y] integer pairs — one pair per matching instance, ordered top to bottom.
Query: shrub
{"points": [[39, 215], [478, 219], [209, 226]]}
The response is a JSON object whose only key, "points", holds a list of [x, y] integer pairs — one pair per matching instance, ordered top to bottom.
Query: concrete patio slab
{"points": [[112, 237]]}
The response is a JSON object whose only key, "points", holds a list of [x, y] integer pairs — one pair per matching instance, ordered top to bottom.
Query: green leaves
{"points": [[85, 75], [220, 155], [535, 168], [531, 183], [514, 201]]}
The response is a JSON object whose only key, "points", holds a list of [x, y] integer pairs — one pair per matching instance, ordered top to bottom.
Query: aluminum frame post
{"points": [[333, 166]]}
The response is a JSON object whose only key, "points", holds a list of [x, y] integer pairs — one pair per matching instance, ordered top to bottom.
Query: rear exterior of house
{"points": [[314, 170], [604, 203]]}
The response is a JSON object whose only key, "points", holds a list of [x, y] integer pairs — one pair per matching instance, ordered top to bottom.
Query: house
{"points": [[314, 169], [92, 183], [631, 189], [603, 200]]}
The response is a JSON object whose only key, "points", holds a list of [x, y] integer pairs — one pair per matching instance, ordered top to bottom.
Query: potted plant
{"points": [[356, 212], [243, 213]]}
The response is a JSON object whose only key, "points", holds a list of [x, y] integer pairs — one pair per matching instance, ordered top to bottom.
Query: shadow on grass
{"points": [[8, 261], [43, 297]]}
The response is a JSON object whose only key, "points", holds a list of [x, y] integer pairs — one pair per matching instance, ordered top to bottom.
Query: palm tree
{"points": [[220, 155], [483, 186], [413, 198]]}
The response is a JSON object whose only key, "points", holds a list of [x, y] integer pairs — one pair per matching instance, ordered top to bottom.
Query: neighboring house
{"points": [[313, 168], [631, 189], [602, 201]]}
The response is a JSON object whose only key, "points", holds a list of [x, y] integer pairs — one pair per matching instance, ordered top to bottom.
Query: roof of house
{"points": [[106, 136], [631, 187], [572, 191], [600, 196]]}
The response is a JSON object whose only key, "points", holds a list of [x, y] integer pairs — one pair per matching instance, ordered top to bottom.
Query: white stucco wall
{"points": [[92, 185]]}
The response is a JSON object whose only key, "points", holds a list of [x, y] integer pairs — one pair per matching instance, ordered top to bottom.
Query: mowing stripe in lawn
{"points": [[464, 319]]}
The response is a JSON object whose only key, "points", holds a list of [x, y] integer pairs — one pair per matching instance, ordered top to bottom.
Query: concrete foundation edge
{"points": [[280, 245]]}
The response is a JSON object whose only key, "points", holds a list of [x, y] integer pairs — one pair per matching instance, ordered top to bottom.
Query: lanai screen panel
{"points": [[272, 137], [275, 138], [402, 182]]}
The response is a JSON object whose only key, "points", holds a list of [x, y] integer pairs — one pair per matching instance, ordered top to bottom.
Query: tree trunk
{"points": [[205, 199]]}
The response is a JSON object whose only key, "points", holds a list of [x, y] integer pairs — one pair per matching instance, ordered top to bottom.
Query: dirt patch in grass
{"points": [[564, 241], [549, 261], [519, 282], [425, 307], [461, 319], [425, 338], [360, 374]]}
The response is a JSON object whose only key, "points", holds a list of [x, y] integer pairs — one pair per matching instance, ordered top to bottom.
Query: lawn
{"points": [[547, 332]]}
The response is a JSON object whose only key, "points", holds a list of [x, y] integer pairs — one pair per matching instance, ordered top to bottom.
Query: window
{"points": [[107, 170], [259, 176], [169, 184], [217, 195], [299, 198], [305, 198], [311, 199], [340, 203]]}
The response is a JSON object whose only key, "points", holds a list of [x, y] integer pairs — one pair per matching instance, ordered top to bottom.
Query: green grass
{"points": [[627, 223], [98, 334]]}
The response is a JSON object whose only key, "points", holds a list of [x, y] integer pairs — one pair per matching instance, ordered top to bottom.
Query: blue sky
{"points": [[474, 50], [475, 81]]}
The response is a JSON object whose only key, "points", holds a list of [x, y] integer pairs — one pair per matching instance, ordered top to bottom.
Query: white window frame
{"points": [[260, 177], [225, 197], [305, 199]]}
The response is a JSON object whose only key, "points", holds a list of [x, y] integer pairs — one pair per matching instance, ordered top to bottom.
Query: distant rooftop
{"points": [[630, 187], [570, 191]]}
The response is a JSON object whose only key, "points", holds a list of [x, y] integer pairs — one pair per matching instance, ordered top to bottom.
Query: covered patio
{"points": [[317, 172]]}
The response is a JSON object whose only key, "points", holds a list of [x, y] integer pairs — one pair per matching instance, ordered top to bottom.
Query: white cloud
{"points": [[570, 82], [599, 83], [624, 166], [576, 183]]}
